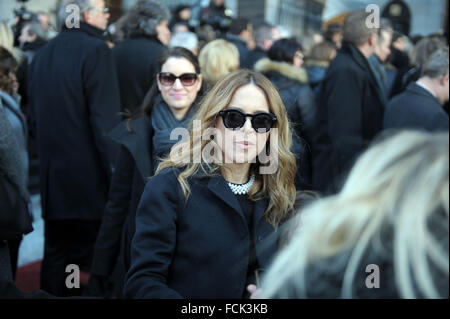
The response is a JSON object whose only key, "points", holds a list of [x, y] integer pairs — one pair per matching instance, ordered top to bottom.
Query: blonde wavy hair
{"points": [[7, 41], [217, 59], [277, 187], [396, 187]]}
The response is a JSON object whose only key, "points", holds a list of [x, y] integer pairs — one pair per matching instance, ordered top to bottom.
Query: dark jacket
{"points": [[241, 45], [29, 50], [254, 56], [136, 61], [316, 73], [298, 98], [74, 99], [416, 108], [350, 115], [137, 161], [133, 168], [15, 220], [197, 248]]}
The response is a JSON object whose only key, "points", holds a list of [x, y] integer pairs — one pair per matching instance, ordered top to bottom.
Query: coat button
{"points": [[260, 238]]}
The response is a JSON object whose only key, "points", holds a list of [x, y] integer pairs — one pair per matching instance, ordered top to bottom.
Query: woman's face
{"points": [[163, 32], [298, 59], [179, 97], [244, 144]]}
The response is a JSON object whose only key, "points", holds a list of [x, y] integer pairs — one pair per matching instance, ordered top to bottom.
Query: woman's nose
{"points": [[177, 84], [248, 125]]}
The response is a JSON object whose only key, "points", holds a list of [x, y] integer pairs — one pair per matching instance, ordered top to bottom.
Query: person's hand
{"points": [[254, 291]]}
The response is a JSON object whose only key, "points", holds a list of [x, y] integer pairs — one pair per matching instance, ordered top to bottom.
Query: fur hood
{"points": [[288, 70]]}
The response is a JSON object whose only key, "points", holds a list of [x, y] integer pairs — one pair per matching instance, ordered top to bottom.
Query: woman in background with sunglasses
{"points": [[144, 140], [207, 220]]}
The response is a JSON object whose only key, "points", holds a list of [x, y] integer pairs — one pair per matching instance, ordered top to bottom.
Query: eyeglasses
{"points": [[104, 10], [299, 55], [168, 79], [261, 122]]}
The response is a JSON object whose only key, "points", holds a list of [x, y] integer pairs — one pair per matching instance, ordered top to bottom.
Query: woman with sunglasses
{"points": [[144, 140], [207, 220]]}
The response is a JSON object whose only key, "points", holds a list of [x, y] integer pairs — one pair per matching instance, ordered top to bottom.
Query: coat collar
{"points": [[90, 30], [363, 62], [290, 71], [417, 89], [137, 142], [219, 187]]}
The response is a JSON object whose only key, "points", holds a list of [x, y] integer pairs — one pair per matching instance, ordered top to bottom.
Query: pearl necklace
{"points": [[242, 189]]}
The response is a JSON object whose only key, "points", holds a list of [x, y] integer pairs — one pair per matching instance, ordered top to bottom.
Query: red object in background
{"points": [[28, 277]]}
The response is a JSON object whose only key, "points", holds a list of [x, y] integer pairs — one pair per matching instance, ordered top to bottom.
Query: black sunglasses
{"points": [[168, 79], [261, 122]]}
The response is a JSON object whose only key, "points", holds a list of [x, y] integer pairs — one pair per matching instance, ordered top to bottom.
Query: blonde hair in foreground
{"points": [[398, 184], [277, 187]]}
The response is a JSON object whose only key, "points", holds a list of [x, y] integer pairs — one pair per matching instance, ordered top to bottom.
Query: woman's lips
{"points": [[177, 96], [245, 144]]}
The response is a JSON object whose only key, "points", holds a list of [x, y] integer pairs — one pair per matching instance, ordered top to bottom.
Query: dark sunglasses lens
{"points": [[188, 78], [167, 79], [233, 119], [262, 122]]}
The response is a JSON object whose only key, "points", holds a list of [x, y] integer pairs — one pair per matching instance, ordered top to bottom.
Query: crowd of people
{"points": [[189, 154]]}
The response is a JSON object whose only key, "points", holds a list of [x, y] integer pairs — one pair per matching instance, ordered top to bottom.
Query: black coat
{"points": [[241, 45], [254, 56], [136, 61], [74, 99], [299, 100], [416, 108], [350, 115], [133, 168], [197, 248]]}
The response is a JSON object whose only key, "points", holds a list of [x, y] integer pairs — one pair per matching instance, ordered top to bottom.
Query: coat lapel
{"points": [[138, 143], [220, 188]]}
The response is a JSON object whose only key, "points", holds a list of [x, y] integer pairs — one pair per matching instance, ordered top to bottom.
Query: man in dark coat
{"points": [[240, 34], [265, 35], [136, 57], [74, 99], [350, 106], [420, 106]]}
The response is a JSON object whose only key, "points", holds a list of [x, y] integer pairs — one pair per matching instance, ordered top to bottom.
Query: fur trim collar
{"points": [[285, 69]]}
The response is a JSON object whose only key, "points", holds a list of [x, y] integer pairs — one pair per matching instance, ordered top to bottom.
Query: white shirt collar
{"points": [[426, 88]]}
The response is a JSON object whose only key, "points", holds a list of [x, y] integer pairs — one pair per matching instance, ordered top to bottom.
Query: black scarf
{"points": [[163, 122]]}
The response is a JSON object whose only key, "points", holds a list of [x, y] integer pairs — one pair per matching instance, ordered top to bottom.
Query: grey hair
{"points": [[83, 6], [143, 18], [385, 26], [355, 29], [264, 32], [187, 40], [437, 65]]}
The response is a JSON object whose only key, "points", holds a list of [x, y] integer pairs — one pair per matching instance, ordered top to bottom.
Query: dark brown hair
{"points": [[8, 65]]}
